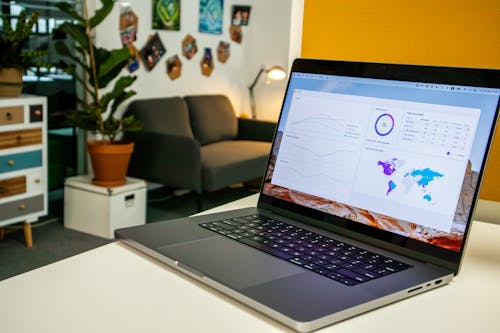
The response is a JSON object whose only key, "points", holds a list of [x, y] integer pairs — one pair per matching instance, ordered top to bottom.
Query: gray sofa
{"points": [[197, 143]]}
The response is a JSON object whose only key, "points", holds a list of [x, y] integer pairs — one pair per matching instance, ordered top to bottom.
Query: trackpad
{"points": [[228, 262]]}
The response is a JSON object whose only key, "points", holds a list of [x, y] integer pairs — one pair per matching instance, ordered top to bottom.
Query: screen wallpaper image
{"points": [[391, 155]]}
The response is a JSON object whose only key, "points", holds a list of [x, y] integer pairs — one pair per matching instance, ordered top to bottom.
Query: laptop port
{"points": [[414, 289]]}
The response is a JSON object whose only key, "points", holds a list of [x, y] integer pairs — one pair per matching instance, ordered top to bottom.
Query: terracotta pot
{"points": [[11, 82], [109, 162]]}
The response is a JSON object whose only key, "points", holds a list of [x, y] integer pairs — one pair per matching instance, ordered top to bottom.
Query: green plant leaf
{"points": [[69, 9], [101, 13], [7, 27], [77, 32], [63, 50], [112, 66], [120, 85], [120, 99], [85, 118], [131, 124]]}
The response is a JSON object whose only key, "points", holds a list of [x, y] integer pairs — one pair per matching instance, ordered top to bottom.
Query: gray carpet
{"points": [[52, 242]]}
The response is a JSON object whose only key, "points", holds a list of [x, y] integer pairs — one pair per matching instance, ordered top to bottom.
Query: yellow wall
{"points": [[434, 32]]}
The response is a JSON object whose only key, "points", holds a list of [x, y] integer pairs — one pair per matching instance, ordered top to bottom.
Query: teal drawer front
{"points": [[20, 161]]}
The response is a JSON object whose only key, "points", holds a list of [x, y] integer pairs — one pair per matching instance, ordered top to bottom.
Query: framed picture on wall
{"points": [[211, 12], [166, 14], [240, 15], [152, 52]]}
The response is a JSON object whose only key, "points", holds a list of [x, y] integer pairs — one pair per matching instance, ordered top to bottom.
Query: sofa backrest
{"points": [[167, 115], [212, 118]]}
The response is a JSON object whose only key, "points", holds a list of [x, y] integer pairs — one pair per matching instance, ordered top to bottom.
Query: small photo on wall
{"points": [[211, 12], [166, 14], [240, 15], [128, 25], [235, 33], [189, 47], [223, 51], [152, 52], [135, 56], [207, 62], [174, 67]]}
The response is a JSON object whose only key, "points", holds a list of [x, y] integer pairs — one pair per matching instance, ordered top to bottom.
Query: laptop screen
{"points": [[399, 156]]}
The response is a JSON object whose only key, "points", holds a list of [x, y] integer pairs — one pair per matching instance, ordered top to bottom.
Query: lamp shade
{"points": [[272, 73], [276, 73]]}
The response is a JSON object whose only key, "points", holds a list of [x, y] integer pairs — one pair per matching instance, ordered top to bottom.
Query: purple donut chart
{"points": [[384, 124]]}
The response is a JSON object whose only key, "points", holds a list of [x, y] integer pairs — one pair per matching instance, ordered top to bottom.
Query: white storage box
{"points": [[100, 210]]}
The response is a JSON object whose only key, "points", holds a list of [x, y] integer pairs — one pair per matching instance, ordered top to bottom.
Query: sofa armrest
{"points": [[259, 130], [171, 160]]}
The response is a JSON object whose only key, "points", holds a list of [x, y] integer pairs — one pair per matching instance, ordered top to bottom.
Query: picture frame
{"points": [[211, 13], [166, 15], [240, 15], [189, 46], [223, 51], [152, 52], [207, 62], [174, 67]]}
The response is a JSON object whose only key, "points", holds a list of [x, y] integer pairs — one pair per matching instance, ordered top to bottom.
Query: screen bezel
{"points": [[489, 78]]}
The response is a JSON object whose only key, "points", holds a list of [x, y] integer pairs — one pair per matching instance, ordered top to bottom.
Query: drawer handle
{"points": [[38, 113], [8, 116], [19, 138], [11, 162], [37, 180], [2, 189], [22, 207]]}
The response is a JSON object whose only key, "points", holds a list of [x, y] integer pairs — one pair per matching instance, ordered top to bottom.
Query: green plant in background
{"points": [[13, 53], [100, 67]]}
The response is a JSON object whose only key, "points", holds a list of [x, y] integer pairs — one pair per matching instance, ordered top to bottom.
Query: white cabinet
{"points": [[23, 161], [100, 210]]}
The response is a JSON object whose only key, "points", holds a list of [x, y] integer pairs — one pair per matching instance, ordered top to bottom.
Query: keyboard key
{"points": [[266, 249], [298, 261], [311, 266], [366, 273], [352, 275]]}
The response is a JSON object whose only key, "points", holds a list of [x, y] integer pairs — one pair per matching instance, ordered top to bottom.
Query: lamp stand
{"points": [[252, 97]]}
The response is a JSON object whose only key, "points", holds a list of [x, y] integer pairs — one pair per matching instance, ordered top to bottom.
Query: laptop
{"points": [[367, 199]]}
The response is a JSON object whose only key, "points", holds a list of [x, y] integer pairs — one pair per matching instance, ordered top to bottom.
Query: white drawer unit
{"points": [[23, 162]]}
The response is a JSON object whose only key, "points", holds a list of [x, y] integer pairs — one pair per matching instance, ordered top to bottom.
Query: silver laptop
{"points": [[367, 197]]}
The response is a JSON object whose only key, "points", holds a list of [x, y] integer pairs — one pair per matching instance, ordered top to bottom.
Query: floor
{"points": [[52, 242]]}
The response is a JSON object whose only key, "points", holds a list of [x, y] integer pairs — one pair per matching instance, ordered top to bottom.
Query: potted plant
{"points": [[14, 58], [97, 113]]}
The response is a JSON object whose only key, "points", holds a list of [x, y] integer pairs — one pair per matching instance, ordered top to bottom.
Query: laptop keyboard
{"points": [[337, 260]]}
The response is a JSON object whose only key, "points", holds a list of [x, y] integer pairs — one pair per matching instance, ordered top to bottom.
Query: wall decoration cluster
{"points": [[166, 15]]}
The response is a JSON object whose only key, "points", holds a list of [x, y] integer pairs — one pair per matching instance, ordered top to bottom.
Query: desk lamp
{"points": [[274, 73]]}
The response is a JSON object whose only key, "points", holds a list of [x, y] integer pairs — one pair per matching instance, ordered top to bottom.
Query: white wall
{"points": [[266, 41]]}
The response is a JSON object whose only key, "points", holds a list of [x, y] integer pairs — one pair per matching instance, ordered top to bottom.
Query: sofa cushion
{"points": [[163, 115], [212, 118], [229, 162]]}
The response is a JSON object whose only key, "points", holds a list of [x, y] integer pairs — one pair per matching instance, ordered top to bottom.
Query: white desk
{"points": [[116, 289]]}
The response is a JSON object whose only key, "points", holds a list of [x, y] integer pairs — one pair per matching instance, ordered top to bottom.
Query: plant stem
{"points": [[88, 31]]}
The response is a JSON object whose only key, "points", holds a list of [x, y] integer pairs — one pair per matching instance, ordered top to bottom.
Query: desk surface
{"points": [[117, 289]]}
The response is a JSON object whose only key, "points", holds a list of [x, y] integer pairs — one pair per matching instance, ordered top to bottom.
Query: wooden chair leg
{"points": [[2, 233], [28, 238]]}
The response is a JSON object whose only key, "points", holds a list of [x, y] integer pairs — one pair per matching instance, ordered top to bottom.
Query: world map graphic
{"points": [[421, 178]]}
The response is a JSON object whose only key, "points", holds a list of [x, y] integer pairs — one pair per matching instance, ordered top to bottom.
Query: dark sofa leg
{"points": [[199, 202]]}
